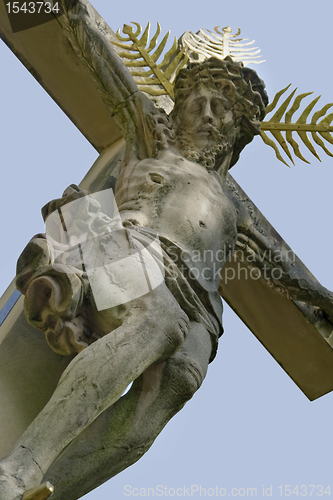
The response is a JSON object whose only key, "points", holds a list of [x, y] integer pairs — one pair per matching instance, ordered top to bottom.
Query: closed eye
{"points": [[197, 105], [220, 107], [196, 109]]}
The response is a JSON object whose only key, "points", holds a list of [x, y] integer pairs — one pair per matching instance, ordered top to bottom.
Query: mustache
{"points": [[210, 128]]}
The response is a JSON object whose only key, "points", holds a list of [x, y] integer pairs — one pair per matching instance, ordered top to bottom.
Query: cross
{"points": [[231, 296]]}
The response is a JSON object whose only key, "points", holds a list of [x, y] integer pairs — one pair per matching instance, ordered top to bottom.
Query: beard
{"points": [[219, 143]]}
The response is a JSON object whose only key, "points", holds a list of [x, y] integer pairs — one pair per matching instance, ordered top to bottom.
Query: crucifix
{"points": [[236, 299]]}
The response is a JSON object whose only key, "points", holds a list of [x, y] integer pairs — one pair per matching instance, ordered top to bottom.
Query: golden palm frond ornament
{"points": [[206, 43], [138, 53], [301, 127]]}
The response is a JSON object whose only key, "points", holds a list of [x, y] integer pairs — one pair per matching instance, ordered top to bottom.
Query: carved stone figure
{"points": [[176, 213]]}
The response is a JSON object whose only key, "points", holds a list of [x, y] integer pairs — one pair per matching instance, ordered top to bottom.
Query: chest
{"points": [[181, 199]]}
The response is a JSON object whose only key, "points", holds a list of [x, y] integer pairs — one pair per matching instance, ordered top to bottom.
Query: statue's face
{"points": [[205, 114]]}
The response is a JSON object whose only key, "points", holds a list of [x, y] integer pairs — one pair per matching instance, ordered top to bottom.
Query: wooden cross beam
{"points": [[285, 328]]}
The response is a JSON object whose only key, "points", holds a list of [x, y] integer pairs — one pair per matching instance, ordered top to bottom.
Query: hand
{"points": [[70, 194], [326, 310]]}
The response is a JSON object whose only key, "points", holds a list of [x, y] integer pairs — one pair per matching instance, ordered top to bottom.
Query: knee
{"points": [[159, 312], [172, 320], [176, 328], [167, 331], [184, 376]]}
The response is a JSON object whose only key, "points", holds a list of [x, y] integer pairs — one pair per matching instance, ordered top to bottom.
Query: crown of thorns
{"points": [[235, 81]]}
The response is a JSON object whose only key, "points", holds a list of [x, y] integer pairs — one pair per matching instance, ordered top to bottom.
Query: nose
{"points": [[208, 116]]}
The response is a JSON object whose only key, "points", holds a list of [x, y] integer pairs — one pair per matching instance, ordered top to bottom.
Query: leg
{"points": [[154, 328], [124, 432]]}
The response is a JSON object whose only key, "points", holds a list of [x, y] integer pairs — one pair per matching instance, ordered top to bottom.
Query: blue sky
{"points": [[249, 426]]}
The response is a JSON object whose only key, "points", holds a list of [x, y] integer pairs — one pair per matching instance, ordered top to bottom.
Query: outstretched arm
{"points": [[113, 81], [279, 265]]}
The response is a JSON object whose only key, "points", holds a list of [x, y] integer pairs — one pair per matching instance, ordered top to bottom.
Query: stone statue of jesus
{"points": [[172, 186]]}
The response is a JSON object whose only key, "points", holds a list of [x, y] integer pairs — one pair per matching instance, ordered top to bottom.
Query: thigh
{"points": [[157, 310], [198, 345]]}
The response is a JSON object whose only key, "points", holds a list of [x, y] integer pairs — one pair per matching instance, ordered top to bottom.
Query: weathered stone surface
{"points": [[178, 214]]}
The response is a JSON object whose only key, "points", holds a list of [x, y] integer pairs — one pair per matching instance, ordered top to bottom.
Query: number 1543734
{"points": [[32, 7]]}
